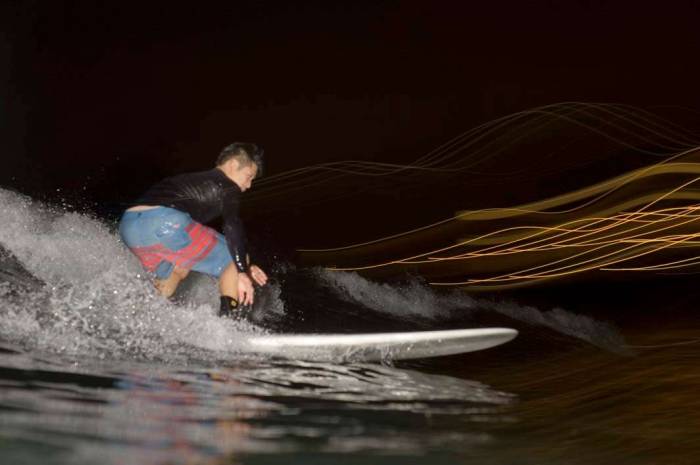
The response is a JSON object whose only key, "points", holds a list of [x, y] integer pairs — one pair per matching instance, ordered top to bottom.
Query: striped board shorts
{"points": [[163, 238]]}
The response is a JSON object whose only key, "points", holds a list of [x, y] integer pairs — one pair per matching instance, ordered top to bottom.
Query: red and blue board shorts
{"points": [[163, 238]]}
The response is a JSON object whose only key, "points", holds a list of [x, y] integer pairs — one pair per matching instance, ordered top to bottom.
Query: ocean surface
{"points": [[95, 368]]}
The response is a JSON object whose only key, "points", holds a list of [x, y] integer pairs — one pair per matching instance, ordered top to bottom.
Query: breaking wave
{"points": [[85, 295]]}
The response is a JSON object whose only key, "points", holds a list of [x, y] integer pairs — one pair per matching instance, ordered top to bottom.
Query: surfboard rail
{"points": [[379, 346]]}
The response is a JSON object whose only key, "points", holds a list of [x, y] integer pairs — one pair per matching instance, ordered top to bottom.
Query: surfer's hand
{"points": [[258, 275], [245, 289]]}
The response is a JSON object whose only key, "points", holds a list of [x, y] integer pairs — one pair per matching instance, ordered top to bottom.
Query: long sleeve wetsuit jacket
{"points": [[205, 196]]}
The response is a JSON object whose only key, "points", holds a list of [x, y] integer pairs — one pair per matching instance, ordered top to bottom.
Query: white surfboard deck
{"points": [[378, 346]]}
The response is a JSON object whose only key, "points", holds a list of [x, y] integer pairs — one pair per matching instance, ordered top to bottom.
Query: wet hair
{"points": [[246, 153]]}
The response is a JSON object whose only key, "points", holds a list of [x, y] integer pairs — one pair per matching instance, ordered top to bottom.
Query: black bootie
{"points": [[229, 307]]}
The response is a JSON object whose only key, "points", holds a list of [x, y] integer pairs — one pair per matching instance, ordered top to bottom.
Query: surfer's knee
{"points": [[180, 273], [166, 287]]}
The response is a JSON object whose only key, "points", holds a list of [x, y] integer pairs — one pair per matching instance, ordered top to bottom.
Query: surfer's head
{"points": [[241, 162]]}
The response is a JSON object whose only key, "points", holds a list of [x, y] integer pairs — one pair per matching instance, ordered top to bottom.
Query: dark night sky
{"points": [[106, 97]]}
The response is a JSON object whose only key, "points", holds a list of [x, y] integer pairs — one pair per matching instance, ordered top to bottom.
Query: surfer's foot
{"points": [[229, 307]]}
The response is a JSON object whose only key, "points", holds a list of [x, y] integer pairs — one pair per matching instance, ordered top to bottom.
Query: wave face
{"points": [[71, 287], [94, 299], [416, 299], [96, 367]]}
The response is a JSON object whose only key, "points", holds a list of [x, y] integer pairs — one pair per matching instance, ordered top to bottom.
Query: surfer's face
{"points": [[242, 175]]}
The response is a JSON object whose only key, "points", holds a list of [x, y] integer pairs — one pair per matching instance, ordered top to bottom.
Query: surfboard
{"points": [[378, 346]]}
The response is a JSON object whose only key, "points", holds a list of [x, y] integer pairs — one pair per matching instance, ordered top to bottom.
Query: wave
{"points": [[70, 287], [95, 298], [417, 299]]}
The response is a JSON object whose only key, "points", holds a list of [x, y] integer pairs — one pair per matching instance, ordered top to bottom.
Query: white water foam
{"points": [[418, 299], [97, 300]]}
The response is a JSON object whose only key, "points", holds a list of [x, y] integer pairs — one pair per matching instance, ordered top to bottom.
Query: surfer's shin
{"points": [[228, 281]]}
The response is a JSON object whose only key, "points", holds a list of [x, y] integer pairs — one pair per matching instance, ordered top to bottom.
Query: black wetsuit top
{"points": [[205, 195]]}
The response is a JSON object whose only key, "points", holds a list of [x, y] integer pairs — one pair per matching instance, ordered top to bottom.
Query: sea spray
{"points": [[415, 298], [96, 300]]}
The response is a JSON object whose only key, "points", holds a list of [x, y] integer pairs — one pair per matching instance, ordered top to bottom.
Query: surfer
{"points": [[165, 228]]}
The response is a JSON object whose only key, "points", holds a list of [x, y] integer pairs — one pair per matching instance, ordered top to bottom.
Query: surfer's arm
{"points": [[234, 232]]}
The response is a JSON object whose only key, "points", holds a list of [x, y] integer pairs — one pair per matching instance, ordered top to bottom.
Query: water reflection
{"points": [[578, 405], [156, 415]]}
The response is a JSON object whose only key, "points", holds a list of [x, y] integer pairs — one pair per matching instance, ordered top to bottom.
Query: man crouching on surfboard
{"points": [[165, 229]]}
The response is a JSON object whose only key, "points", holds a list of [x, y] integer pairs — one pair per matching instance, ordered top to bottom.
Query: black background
{"points": [[100, 99]]}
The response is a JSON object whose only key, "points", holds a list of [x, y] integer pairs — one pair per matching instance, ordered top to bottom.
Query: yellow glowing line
{"points": [[646, 128], [394, 168], [622, 206], [536, 207], [500, 213], [441, 222], [619, 223], [598, 230], [566, 231], [682, 242], [549, 244], [546, 247], [512, 250], [651, 250], [413, 258], [627, 258], [695, 260], [396, 262], [566, 273], [519, 275], [540, 277]]}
